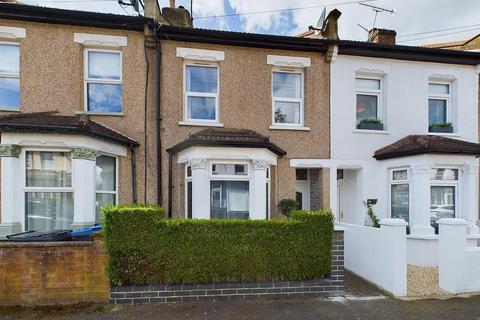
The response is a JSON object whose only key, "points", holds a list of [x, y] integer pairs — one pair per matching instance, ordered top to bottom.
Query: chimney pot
{"points": [[383, 36]]}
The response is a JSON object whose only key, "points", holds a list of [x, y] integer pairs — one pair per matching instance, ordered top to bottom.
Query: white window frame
{"points": [[11, 75], [88, 80], [370, 92], [186, 94], [439, 96], [280, 99], [116, 180], [187, 180], [392, 182], [448, 183], [26, 189], [269, 191]]}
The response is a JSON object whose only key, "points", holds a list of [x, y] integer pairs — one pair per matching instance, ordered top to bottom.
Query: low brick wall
{"points": [[42, 273], [164, 293]]}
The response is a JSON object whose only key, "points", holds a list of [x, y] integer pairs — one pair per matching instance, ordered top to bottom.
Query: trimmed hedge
{"points": [[146, 248]]}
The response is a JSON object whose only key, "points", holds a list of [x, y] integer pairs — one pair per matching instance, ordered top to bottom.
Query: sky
{"points": [[414, 20]]}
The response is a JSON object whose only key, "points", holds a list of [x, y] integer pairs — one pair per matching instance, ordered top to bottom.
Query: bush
{"points": [[288, 205], [145, 248]]}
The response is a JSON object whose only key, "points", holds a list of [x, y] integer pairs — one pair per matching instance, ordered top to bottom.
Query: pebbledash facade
{"points": [[72, 90], [236, 108], [83, 115]]}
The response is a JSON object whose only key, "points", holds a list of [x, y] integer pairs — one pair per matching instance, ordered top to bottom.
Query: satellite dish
{"points": [[135, 4], [321, 21]]}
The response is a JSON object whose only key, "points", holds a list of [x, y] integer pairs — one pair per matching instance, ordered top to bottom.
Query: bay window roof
{"points": [[51, 122], [227, 138], [423, 144]]}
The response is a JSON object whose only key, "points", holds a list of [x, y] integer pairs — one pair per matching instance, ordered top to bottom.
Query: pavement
{"points": [[362, 300], [318, 308]]}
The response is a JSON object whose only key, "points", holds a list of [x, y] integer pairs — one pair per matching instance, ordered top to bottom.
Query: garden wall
{"points": [[42, 273], [331, 286]]}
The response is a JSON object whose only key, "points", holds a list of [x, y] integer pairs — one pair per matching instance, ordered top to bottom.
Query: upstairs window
{"points": [[9, 77], [103, 81], [201, 93], [287, 96], [368, 99], [439, 108]]}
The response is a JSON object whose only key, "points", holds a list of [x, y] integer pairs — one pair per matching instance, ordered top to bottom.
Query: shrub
{"points": [[443, 125], [288, 205], [145, 248]]}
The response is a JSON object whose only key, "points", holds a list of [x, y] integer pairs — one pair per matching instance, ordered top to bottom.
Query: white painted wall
{"points": [[405, 108], [378, 254], [459, 264]]}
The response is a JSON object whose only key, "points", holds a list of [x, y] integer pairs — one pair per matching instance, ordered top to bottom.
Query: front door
{"points": [[302, 188], [340, 200]]}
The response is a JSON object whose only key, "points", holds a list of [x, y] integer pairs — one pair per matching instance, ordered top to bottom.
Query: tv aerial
{"points": [[377, 10]]}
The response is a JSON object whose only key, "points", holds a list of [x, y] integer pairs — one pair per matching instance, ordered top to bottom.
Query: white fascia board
{"points": [[12, 33], [100, 40], [200, 54], [288, 61], [55, 140], [227, 153]]}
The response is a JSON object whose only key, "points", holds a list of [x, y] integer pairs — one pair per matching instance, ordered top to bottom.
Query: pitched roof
{"points": [[16, 11], [446, 44], [50, 122], [227, 138], [422, 144]]}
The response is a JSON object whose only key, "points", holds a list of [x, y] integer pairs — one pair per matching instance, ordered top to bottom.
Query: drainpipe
{"points": [[159, 120], [134, 174], [170, 183]]}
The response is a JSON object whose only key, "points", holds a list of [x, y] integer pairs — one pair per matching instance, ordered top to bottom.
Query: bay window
{"points": [[9, 76], [103, 81], [201, 92], [287, 97], [368, 103], [106, 184], [48, 190], [229, 191], [400, 194], [443, 194]]}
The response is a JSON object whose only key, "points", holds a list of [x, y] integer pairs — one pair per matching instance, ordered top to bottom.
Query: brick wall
{"points": [[52, 273], [164, 293]]}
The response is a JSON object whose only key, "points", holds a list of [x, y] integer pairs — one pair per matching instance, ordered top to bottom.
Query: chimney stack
{"points": [[172, 3], [330, 25], [383, 36]]}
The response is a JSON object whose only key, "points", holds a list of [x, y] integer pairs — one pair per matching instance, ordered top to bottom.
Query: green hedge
{"points": [[146, 248]]}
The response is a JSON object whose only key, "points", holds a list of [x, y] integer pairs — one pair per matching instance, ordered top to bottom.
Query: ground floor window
{"points": [[106, 184], [48, 190], [400, 194], [443, 194], [229, 199], [442, 203]]}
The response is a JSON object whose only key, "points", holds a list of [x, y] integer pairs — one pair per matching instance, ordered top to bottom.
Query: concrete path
{"points": [[340, 308]]}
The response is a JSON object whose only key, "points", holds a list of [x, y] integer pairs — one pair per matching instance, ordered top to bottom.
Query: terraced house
{"points": [[72, 95], [100, 109]]}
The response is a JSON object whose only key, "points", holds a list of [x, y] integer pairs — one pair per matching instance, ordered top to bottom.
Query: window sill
{"points": [[9, 110], [92, 113], [200, 124], [278, 127], [370, 131], [454, 134]]}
